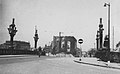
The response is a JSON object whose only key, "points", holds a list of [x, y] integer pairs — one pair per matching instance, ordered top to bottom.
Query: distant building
{"points": [[66, 44], [18, 45], [47, 48]]}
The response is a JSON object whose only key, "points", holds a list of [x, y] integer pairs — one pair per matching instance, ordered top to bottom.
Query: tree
{"points": [[92, 52]]}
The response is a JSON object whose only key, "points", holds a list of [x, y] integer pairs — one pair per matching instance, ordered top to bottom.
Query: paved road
{"points": [[20, 59], [46, 65]]}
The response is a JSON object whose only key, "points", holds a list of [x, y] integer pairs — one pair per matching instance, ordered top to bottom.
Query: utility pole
{"points": [[113, 39]]}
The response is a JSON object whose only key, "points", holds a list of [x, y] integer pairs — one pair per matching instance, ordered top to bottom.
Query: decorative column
{"points": [[12, 31], [101, 33], [36, 38], [97, 40]]}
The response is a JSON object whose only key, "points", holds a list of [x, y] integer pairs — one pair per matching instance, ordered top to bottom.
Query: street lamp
{"points": [[105, 5], [12, 31], [60, 38], [97, 40]]}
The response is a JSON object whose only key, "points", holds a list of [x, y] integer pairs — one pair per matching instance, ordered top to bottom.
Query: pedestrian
{"points": [[39, 51]]}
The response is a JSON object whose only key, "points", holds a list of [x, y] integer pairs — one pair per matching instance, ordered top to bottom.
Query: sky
{"points": [[78, 18]]}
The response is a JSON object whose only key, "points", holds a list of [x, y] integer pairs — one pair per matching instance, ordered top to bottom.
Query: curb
{"points": [[10, 56], [97, 65]]}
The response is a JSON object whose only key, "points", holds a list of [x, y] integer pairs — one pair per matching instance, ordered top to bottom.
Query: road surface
{"points": [[49, 65]]}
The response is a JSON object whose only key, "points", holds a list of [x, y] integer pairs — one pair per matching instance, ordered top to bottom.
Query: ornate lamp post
{"points": [[105, 5], [12, 31], [101, 33], [99, 36], [36, 38], [97, 40]]}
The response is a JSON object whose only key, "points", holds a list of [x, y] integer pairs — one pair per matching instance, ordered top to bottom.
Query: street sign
{"points": [[80, 41]]}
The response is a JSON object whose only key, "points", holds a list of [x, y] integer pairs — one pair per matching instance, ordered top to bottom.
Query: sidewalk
{"points": [[61, 55], [94, 62]]}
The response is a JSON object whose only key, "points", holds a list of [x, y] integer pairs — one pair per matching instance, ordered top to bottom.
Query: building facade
{"points": [[66, 44], [17, 45]]}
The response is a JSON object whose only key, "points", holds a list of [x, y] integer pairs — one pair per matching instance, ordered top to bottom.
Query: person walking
{"points": [[39, 51]]}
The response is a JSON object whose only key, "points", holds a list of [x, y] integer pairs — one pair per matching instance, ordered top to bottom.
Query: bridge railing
{"points": [[16, 52]]}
